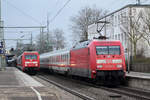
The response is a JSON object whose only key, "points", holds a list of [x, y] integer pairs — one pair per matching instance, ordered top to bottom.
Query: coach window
{"points": [[101, 50], [114, 50], [66, 58], [49, 59], [52, 59], [55, 59], [45, 60]]}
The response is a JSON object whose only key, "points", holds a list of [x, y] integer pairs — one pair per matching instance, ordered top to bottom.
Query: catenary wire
{"points": [[59, 11], [29, 16]]}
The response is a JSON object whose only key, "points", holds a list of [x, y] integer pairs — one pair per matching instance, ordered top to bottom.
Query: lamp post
{"points": [[31, 38], [19, 45]]}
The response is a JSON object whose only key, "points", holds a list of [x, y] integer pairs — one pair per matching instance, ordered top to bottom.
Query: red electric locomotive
{"points": [[100, 60], [28, 61]]}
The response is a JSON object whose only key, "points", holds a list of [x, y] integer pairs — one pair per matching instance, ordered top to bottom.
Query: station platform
{"points": [[139, 75], [138, 80], [16, 85]]}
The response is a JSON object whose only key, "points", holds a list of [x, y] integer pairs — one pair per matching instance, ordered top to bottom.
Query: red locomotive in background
{"points": [[100, 60], [28, 61]]}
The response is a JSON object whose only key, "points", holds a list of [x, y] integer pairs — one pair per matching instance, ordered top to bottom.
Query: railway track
{"points": [[128, 91], [133, 94], [137, 94], [82, 96]]}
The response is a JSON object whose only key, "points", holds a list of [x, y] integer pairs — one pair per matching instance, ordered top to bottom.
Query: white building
{"points": [[119, 21]]}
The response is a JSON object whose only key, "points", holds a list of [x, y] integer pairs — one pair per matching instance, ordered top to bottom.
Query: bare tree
{"points": [[81, 21], [146, 25], [132, 28], [59, 40], [44, 43], [19, 48]]}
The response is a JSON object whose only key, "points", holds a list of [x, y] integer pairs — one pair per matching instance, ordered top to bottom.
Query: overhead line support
{"points": [[24, 27]]}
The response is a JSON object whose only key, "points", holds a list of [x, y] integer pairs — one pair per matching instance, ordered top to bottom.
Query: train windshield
{"points": [[108, 50], [31, 57]]}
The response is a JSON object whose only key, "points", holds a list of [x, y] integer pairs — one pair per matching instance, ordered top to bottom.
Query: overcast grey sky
{"points": [[34, 13]]}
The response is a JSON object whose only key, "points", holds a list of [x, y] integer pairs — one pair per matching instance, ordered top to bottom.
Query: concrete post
{"points": [[2, 56]]}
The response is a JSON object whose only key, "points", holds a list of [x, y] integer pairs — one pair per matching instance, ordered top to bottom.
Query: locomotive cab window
{"points": [[101, 50], [108, 50], [114, 50], [30, 56]]}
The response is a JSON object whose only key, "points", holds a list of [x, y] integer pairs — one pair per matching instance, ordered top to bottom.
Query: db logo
{"points": [[108, 56], [109, 61]]}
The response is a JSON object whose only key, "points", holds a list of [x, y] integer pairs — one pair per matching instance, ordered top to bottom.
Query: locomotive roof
{"points": [[107, 40], [86, 43], [30, 52]]}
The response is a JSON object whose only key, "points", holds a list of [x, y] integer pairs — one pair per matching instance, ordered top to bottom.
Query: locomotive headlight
{"points": [[101, 61], [117, 61], [34, 62], [26, 64], [99, 66], [119, 66]]}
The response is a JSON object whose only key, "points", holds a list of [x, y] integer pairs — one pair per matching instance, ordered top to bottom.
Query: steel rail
{"points": [[121, 90], [127, 93], [82, 96]]}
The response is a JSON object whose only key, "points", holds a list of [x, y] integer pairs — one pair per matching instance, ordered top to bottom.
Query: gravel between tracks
{"points": [[96, 93], [61, 94]]}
